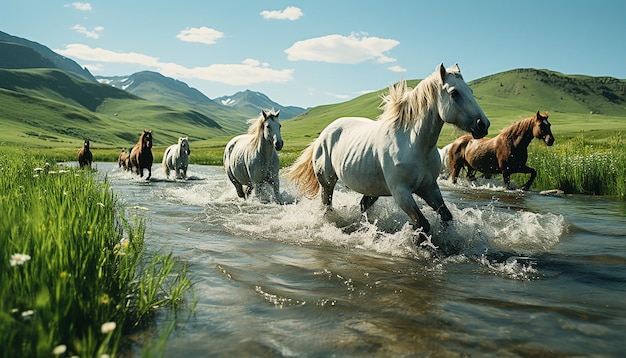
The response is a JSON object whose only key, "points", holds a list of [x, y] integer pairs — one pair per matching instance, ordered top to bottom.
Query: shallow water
{"points": [[515, 274]]}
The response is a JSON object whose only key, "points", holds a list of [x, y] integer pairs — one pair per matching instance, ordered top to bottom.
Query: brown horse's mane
{"points": [[517, 131]]}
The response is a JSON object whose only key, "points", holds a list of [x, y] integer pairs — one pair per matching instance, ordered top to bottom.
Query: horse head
{"points": [[457, 104], [271, 129], [542, 130], [146, 139], [86, 144], [183, 145]]}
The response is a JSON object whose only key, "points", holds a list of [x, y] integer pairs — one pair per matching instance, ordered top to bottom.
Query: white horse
{"points": [[397, 154], [176, 158], [251, 160], [446, 170]]}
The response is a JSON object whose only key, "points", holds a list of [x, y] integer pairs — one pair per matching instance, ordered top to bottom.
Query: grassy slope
{"points": [[48, 108], [47, 116]]}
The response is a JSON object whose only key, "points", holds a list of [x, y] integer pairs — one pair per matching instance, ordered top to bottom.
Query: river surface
{"points": [[515, 274]]}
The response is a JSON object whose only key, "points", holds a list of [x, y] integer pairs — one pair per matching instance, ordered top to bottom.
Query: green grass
{"points": [[582, 166], [87, 263]]}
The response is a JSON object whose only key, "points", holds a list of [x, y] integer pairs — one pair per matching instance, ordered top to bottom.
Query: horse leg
{"points": [[456, 170], [471, 173], [533, 174], [506, 176], [237, 184], [276, 186], [328, 188], [432, 196], [404, 199], [367, 202]]}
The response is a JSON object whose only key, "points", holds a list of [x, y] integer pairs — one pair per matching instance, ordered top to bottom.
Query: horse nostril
{"points": [[480, 124]]}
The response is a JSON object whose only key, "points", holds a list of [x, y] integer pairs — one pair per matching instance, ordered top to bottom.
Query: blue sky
{"points": [[309, 53]]}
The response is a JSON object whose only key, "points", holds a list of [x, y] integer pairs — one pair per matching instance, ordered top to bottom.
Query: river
{"points": [[515, 274]]}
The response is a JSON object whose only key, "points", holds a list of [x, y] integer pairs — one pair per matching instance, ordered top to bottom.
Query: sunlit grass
{"points": [[582, 166], [75, 274]]}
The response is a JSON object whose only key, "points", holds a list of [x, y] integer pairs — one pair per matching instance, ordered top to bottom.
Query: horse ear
{"points": [[456, 68], [442, 71], [277, 113], [264, 114], [538, 114]]}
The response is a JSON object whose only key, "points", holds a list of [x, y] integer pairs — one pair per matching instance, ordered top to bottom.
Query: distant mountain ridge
{"points": [[60, 62], [161, 89], [252, 102]]}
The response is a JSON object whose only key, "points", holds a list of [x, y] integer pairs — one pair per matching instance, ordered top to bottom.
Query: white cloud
{"points": [[82, 6], [290, 13], [94, 34], [202, 34], [352, 49], [87, 53], [96, 67], [396, 69], [248, 72], [340, 96]]}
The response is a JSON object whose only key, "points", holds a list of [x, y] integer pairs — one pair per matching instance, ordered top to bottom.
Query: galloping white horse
{"points": [[397, 154], [176, 158], [251, 160]]}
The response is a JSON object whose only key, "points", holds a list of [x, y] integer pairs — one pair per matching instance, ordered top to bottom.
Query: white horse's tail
{"points": [[164, 162], [302, 174]]}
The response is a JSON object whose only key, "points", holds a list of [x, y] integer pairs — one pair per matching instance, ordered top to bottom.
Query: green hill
{"points": [[595, 105], [46, 107], [49, 108]]}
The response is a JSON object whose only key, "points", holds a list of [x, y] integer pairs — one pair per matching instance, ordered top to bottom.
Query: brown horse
{"points": [[141, 154], [503, 154], [84, 155], [123, 161]]}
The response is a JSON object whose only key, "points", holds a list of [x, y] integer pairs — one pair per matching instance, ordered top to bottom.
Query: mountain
{"points": [[14, 55], [58, 61], [157, 88], [252, 103], [49, 107]]}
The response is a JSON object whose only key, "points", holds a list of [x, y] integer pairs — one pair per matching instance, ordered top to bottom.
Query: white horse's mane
{"points": [[405, 106], [256, 126]]}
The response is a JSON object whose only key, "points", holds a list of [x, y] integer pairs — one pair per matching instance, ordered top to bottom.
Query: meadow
{"points": [[77, 278]]}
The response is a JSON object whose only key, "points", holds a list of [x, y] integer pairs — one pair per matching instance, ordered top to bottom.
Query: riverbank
{"points": [[77, 278]]}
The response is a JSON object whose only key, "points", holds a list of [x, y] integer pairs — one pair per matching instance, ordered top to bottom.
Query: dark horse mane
{"points": [[141, 154]]}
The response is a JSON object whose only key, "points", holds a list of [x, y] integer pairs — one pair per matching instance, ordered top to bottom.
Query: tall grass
{"points": [[581, 166], [75, 275]]}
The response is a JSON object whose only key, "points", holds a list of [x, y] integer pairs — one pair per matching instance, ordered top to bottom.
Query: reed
{"points": [[582, 166], [76, 278]]}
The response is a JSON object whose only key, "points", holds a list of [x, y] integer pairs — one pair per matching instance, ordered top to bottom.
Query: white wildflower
{"points": [[19, 259], [108, 327], [60, 349]]}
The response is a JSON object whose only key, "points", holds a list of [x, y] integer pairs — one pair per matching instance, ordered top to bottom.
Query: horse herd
{"points": [[395, 155]]}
